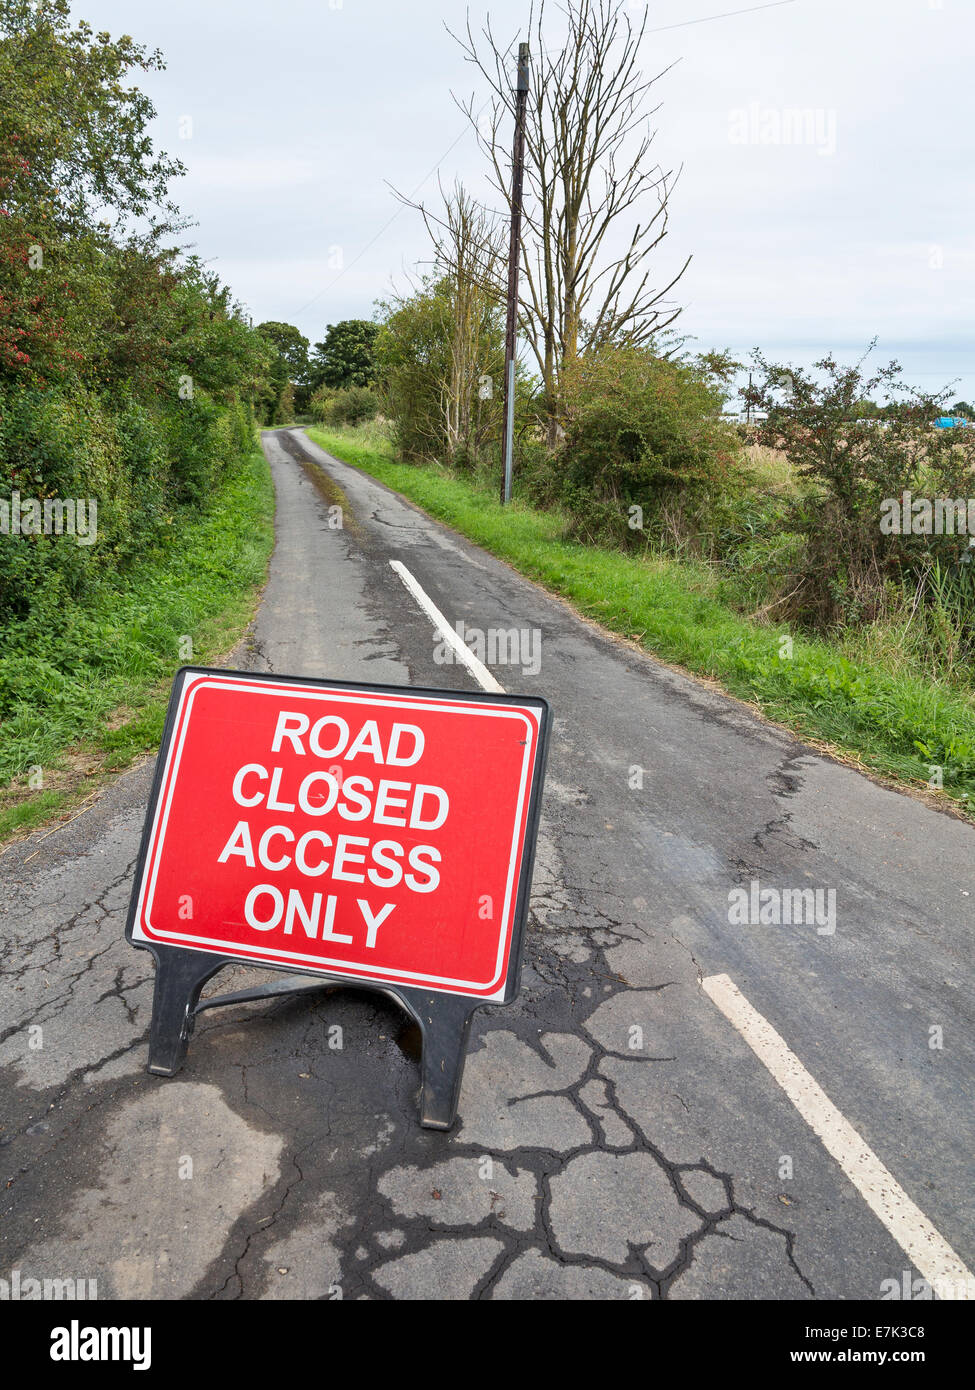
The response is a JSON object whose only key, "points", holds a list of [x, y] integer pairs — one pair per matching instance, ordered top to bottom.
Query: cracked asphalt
{"points": [[617, 1138]]}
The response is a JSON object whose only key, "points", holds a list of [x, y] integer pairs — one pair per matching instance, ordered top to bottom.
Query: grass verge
{"points": [[87, 695], [893, 723]]}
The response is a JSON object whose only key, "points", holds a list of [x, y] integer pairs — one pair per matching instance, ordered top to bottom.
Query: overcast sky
{"points": [[290, 116]]}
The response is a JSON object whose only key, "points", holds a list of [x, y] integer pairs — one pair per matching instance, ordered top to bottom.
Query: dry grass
{"points": [[770, 469]]}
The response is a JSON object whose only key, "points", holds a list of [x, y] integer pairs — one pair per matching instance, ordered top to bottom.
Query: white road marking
{"points": [[463, 652], [927, 1251]]}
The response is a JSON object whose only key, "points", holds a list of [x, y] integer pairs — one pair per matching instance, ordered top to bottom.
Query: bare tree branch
{"points": [[588, 143]]}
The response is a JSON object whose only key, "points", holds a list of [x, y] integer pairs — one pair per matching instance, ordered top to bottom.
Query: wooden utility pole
{"points": [[514, 259]]}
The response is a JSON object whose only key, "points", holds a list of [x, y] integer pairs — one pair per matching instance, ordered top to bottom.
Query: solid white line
{"points": [[477, 668], [927, 1251]]}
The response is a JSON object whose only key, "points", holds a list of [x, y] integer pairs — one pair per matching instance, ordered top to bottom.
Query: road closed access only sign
{"points": [[380, 833]]}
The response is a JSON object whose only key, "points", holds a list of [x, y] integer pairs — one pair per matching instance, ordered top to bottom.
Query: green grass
{"points": [[90, 689], [896, 723]]}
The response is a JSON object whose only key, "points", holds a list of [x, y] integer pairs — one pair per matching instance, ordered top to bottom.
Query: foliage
{"points": [[79, 135], [292, 345], [346, 356], [416, 357], [290, 368], [128, 375], [349, 407], [639, 430], [856, 469], [66, 667], [893, 719]]}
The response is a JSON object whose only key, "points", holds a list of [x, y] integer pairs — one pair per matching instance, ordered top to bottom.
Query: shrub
{"points": [[435, 351], [320, 403], [351, 407], [640, 432], [139, 463], [852, 465]]}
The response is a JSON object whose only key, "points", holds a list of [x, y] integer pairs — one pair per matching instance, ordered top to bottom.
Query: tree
{"points": [[79, 132], [587, 153], [75, 156], [468, 249], [471, 250], [211, 337], [292, 345], [346, 356], [413, 357], [127, 372], [289, 386], [432, 387], [963, 408], [642, 431]]}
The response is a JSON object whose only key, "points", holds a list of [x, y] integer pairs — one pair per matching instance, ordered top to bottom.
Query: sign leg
{"points": [[180, 976], [445, 1021]]}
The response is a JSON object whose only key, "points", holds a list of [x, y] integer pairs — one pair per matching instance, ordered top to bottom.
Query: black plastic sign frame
{"points": [[444, 1018]]}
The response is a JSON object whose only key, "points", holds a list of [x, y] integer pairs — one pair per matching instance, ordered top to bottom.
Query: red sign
{"points": [[380, 833]]}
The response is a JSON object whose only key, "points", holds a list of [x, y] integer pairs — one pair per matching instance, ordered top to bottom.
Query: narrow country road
{"points": [[619, 1133]]}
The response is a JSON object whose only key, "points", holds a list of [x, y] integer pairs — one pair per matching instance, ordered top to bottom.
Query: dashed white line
{"points": [[463, 652], [926, 1249]]}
